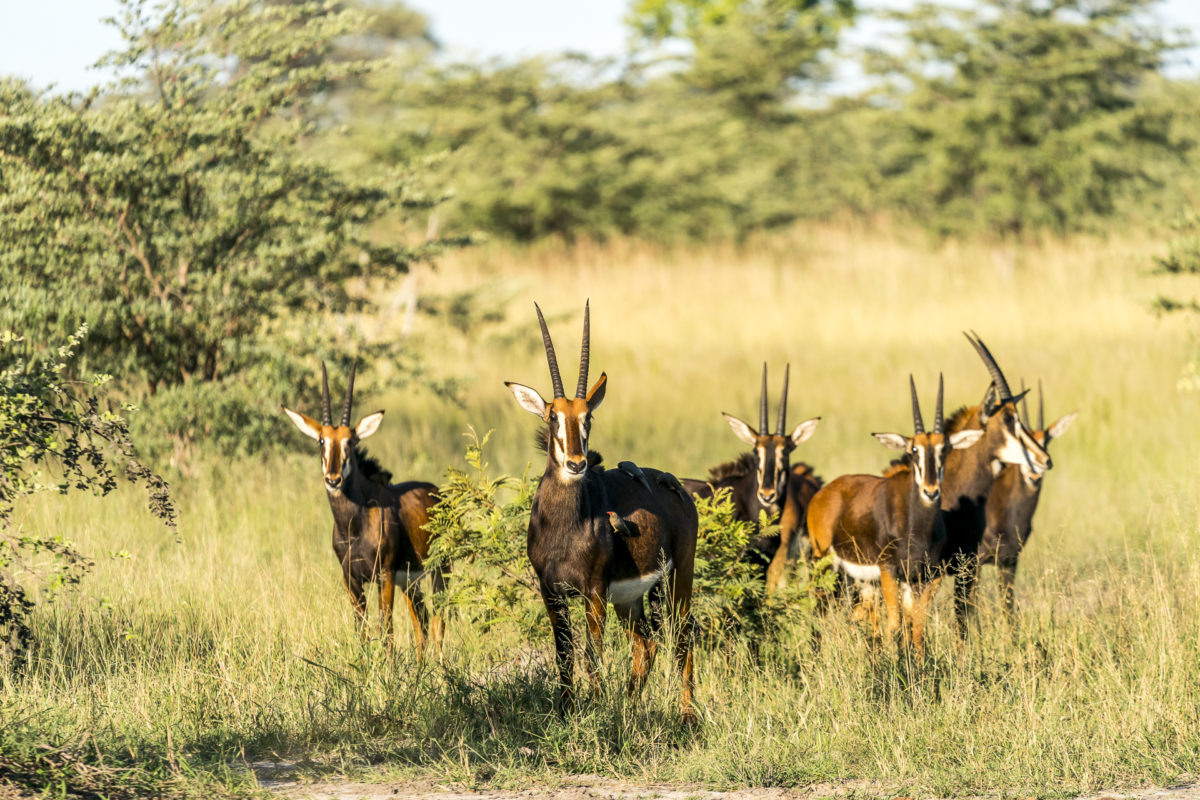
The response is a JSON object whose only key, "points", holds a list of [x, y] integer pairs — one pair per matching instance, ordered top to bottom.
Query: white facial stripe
{"points": [[560, 438], [1033, 447], [1011, 452]]}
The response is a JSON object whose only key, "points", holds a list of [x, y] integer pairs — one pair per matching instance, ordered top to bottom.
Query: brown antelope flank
{"points": [[970, 474], [765, 480], [1013, 500], [378, 529], [890, 529], [606, 536]]}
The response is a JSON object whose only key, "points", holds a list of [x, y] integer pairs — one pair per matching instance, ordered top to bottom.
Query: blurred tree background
{"points": [[222, 215]]}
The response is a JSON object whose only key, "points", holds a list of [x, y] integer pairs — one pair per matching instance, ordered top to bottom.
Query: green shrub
{"points": [[179, 211], [55, 435], [479, 529]]}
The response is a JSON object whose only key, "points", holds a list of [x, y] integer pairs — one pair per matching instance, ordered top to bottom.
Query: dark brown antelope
{"points": [[971, 473], [765, 480], [1012, 502], [378, 529], [890, 529], [605, 536]]}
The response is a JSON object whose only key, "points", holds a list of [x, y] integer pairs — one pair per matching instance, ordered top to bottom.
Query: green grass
{"points": [[233, 645]]}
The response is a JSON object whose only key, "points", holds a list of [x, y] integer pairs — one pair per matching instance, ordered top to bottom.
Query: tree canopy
{"points": [[1017, 115], [181, 215]]}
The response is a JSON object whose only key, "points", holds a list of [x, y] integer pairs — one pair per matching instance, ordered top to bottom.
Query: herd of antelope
{"points": [[961, 495]]}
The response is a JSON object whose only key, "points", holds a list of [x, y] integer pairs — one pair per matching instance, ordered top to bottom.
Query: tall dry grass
{"points": [[234, 644]]}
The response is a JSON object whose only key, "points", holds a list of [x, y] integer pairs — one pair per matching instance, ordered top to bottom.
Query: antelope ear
{"points": [[596, 396], [529, 399], [988, 405], [307, 425], [368, 425], [1059, 428], [741, 429], [804, 430], [892, 440], [961, 440]]}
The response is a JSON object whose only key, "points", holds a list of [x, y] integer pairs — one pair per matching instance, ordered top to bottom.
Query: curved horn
{"points": [[550, 357], [992, 367], [581, 389], [349, 396], [762, 405], [1024, 405], [1041, 409], [326, 414], [918, 423], [781, 424], [938, 424]]}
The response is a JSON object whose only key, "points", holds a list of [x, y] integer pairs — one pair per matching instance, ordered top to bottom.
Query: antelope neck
{"points": [[966, 474], [566, 500]]}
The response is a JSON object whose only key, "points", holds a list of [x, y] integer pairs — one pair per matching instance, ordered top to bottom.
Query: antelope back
{"points": [[568, 420], [337, 442], [772, 450]]}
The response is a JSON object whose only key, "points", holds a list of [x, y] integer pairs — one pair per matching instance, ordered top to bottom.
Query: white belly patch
{"points": [[857, 572], [865, 575], [406, 578], [632, 589]]}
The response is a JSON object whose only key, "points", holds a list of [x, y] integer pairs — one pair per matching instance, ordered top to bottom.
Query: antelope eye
{"points": [[321, 441]]}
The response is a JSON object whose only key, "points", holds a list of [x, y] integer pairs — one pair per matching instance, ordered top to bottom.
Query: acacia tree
{"points": [[754, 55], [1019, 115], [179, 212]]}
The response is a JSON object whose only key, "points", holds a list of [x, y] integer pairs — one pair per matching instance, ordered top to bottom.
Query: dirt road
{"points": [[592, 788]]}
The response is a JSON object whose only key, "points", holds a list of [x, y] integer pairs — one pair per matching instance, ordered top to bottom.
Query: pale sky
{"points": [[55, 41]]}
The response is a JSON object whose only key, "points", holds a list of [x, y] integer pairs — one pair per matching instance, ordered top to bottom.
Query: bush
{"points": [[181, 212], [55, 435], [479, 528]]}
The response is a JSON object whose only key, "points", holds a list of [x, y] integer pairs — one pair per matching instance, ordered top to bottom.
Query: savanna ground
{"points": [[233, 646]]}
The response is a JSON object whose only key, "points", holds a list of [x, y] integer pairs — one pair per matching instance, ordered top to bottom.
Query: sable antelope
{"points": [[971, 473], [764, 480], [1012, 501], [890, 529], [378, 530], [577, 550]]}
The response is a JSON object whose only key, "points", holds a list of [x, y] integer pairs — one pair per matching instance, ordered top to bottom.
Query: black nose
{"points": [[576, 467], [333, 483]]}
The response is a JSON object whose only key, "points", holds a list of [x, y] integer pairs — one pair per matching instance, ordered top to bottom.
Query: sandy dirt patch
{"points": [[593, 788]]}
